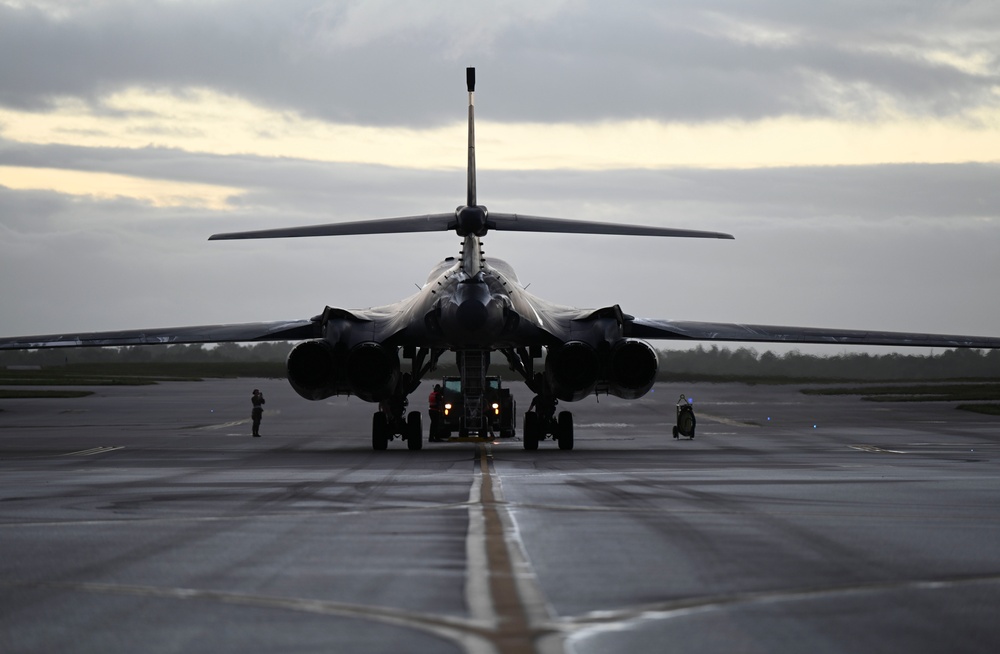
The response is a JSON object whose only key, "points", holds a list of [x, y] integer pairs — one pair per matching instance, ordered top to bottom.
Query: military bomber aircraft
{"points": [[474, 306]]}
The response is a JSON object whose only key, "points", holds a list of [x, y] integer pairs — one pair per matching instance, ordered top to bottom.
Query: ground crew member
{"points": [[257, 399], [434, 409]]}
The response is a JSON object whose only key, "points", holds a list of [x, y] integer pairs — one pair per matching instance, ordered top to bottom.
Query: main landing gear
{"points": [[538, 426], [385, 427]]}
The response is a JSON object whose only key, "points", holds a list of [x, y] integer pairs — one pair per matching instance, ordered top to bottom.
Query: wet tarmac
{"points": [[147, 519]]}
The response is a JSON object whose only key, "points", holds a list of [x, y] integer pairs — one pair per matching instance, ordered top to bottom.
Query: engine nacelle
{"points": [[631, 369], [318, 370], [572, 370], [373, 371]]}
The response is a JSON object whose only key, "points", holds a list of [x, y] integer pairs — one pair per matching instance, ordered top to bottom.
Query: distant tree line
{"points": [[222, 353], [700, 363], [723, 363]]}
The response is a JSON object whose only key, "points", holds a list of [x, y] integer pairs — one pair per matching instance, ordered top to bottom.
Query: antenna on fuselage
{"points": [[470, 80]]}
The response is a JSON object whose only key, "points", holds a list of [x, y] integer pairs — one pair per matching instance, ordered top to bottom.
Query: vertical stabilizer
{"points": [[470, 80]]}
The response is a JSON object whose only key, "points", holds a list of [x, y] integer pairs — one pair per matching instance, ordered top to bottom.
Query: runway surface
{"points": [[146, 519]]}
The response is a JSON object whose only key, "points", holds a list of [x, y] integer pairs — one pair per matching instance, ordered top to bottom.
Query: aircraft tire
{"points": [[531, 429], [565, 430], [380, 432], [414, 433]]}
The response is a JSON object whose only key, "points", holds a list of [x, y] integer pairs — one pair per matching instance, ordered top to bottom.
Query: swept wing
{"points": [[294, 330], [735, 332]]}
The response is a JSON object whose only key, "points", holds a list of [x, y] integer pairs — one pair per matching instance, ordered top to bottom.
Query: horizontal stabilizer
{"points": [[440, 222], [513, 222]]}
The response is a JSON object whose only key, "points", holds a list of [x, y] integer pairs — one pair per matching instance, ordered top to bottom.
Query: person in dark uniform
{"points": [[257, 399], [434, 409]]}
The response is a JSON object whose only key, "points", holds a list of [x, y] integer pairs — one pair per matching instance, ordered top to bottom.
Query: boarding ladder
{"points": [[472, 366]]}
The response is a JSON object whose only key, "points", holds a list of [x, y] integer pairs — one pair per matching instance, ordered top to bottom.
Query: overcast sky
{"points": [[851, 147]]}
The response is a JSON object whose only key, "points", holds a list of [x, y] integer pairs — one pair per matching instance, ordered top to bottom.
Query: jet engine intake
{"points": [[632, 369], [572, 370]]}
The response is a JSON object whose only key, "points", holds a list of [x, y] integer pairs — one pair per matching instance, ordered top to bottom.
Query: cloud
{"points": [[379, 63], [203, 121], [103, 185], [317, 190]]}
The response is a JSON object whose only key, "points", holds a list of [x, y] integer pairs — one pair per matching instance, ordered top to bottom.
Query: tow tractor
{"points": [[487, 414]]}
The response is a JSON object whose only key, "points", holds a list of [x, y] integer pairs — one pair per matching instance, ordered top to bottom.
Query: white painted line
{"points": [[94, 450], [875, 450]]}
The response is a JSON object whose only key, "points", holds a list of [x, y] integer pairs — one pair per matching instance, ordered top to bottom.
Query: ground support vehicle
{"points": [[488, 413], [685, 421]]}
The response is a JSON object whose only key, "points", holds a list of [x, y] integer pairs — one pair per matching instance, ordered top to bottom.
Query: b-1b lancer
{"points": [[474, 306]]}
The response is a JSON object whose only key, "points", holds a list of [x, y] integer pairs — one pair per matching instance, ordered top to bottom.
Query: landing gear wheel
{"points": [[531, 428], [380, 431], [675, 432], [414, 434], [565, 436]]}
